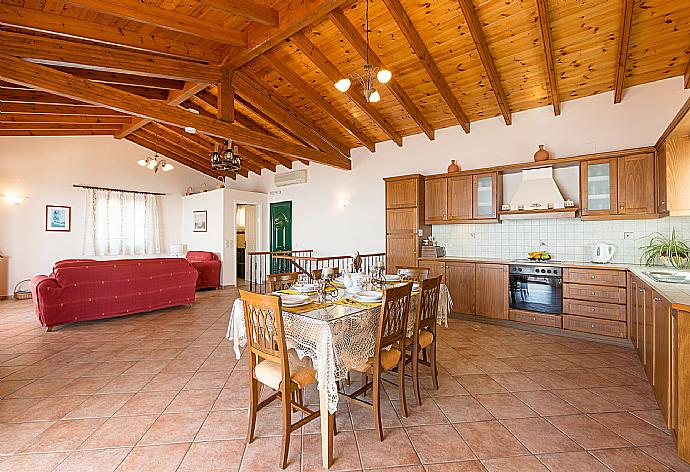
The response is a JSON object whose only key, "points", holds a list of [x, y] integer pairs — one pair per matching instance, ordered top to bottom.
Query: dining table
{"points": [[337, 334]]}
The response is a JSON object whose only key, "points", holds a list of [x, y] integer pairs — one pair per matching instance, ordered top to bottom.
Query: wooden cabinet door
{"points": [[598, 187], [661, 189], [485, 192], [402, 193], [636, 194], [459, 198], [435, 200], [401, 220], [401, 250], [436, 268], [460, 279], [492, 296], [632, 311], [648, 331], [662, 353], [673, 420]]}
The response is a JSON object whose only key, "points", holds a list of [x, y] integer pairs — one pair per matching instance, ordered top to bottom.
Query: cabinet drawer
{"points": [[612, 278], [596, 293], [603, 311], [541, 319], [594, 326]]}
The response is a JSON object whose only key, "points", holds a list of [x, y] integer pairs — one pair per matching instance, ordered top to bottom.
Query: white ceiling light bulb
{"points": [[384, 75], [343, 85], [374, 96], [190, 129], [142, 162], [153, 163], [167, 167]]}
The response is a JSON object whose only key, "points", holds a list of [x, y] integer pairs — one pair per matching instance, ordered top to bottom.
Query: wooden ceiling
{"points": [[261, 72]]}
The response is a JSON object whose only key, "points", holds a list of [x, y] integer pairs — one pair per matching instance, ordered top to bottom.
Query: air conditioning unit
{"points": [[291, 178]]}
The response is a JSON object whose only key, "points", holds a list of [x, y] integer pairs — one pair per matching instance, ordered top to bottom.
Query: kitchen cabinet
{"points": [[676, 153], [636, 184], [661, 186], [598, 187], [486, 191], [459, 198], [448, 199], [436, 200], [405, 226], [436, 268], [460, 279], [492, 296], [632, 310], [661, 380]]}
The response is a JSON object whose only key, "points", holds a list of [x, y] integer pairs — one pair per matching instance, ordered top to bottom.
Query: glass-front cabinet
{"points": [[598, 187], [486, 190]]}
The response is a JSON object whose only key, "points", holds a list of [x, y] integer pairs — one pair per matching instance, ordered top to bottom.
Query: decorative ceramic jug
{"points": [[541, 154], [453, 167], [353, 281]]}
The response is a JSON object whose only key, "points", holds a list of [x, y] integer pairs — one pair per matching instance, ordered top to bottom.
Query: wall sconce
{"points": [[13, 198], [343, 202]]}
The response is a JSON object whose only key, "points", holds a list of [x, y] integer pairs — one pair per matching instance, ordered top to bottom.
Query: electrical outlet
{"points": [[473, 235], [628, 235]]}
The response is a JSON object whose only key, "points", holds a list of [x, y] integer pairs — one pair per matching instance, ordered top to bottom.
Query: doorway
{"points": [[281, 234], [246, 237]]}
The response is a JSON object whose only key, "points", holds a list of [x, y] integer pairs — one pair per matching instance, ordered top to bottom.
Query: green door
{"points": [[281, 235]]}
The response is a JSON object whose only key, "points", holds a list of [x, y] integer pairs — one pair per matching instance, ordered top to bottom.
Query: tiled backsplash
{"points": [[566, 239]]}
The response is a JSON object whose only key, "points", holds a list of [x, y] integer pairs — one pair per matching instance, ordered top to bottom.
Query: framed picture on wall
{"points": [[58, 218], [200, 221]]}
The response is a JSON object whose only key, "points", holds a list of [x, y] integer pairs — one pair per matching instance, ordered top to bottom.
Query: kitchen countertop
{"points": [[677, 294]]}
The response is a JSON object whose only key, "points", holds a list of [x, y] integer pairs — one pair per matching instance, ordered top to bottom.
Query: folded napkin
{"points": [[357, 304], [307, 308]]}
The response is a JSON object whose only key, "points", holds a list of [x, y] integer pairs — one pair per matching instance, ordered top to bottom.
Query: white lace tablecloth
{"points": [[336, 339]]}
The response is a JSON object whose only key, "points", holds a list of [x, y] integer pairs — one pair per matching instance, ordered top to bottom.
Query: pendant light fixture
{"points": [[367, 79], [226, 159], [155, 163]]}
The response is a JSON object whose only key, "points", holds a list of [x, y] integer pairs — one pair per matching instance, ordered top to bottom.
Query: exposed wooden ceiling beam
{"points": [[249, 10], [398, 13], [155, 15], [295, 15], [73, 27], [475, 27], [545, 31], [351, 34], [623, 43], [64, 53], [686, 75], [43, 78], [114, 78], [308, 91], [355, 93], [33, 96], [175, 97], [226, 97], [68, 110], [259, 112], [285, 113], [29, 118], [113, 127], [57, 132]]}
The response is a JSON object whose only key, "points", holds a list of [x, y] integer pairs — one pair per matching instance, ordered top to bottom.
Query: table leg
{"points": [[326, 430]]}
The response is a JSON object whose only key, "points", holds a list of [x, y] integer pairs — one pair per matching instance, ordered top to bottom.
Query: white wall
{"points": [[45, 168], [338, 212]]}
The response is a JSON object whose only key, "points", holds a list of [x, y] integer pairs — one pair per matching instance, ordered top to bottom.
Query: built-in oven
{"points": [[536, 287]]}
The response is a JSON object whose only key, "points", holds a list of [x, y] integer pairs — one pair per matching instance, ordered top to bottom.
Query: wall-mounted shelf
{"points": [[552, 213]]}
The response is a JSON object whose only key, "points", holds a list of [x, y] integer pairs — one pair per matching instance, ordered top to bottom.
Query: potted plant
{"points": [[666, 250]]}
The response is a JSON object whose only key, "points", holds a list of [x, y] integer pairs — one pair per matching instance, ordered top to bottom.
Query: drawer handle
{"points": [[594, 276], [641, 290], [594, 293], [657, 299], [594, 309], [534, 318], [594, 326]]}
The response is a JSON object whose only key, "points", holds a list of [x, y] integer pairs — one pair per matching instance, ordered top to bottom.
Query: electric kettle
{"points": [[602, 253]]}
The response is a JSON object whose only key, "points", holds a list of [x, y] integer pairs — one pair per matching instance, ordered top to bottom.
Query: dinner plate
{"points": [[391, 278], [304, 288], [369, 295], [357, 298], [290, 301]]}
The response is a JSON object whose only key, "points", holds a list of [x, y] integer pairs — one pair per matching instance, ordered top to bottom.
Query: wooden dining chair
{"points": [[326, 273], [413, 273], [281, 281], [423, 339], [388, 353], [273, 365]]}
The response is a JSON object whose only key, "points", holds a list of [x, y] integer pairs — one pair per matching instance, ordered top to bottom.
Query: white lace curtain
{"points": [[121, 223]]}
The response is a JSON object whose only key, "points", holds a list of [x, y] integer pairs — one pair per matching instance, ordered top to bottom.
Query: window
{"points": [[121, 223]]}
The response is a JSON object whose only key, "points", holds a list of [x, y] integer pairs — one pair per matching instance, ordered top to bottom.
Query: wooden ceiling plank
{"points": [[249, 10], [154, 15], [295, 15], [400, 16], [475, 27], [78, 28], [350, 33], [547, 45], [623, 45], [63, 53], [686, 75], [43, 78], [115, 78], [308, 91], [356, 95], [35, 96], [226, 97], [66, 110], [286, 114], [29, 118], [113, 127], [57, 132]]}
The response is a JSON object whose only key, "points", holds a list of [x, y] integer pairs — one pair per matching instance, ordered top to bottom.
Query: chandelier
{"points": [[367, 79], [226, 160], [155, 163]]}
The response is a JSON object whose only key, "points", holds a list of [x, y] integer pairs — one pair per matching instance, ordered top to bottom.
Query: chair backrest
{"points": [[414, 273], [281, 281], [427, 305], [395, 310], [263, 320]]}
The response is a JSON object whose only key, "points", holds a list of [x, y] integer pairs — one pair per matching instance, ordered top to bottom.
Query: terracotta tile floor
{"points": [[163, 392]]}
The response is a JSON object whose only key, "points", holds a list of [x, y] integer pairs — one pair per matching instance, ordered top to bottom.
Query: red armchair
{"points": [[208, 266], [80, 290]]}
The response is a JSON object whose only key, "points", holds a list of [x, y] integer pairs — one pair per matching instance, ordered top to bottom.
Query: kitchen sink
{"points": [[670, 277]]}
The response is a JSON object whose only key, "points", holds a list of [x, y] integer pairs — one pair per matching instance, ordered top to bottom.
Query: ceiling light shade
{"points": [[384, 76], [343, 85], [374, 96], [190, 129], [142, 162], [153, 163], [167, 167]]}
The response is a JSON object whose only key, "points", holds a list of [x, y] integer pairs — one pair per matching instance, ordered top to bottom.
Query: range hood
{"points": [[537, 190]]}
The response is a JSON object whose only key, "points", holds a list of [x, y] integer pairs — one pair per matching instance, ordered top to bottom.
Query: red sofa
{"points": [[208, 265], [83, 289]]}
